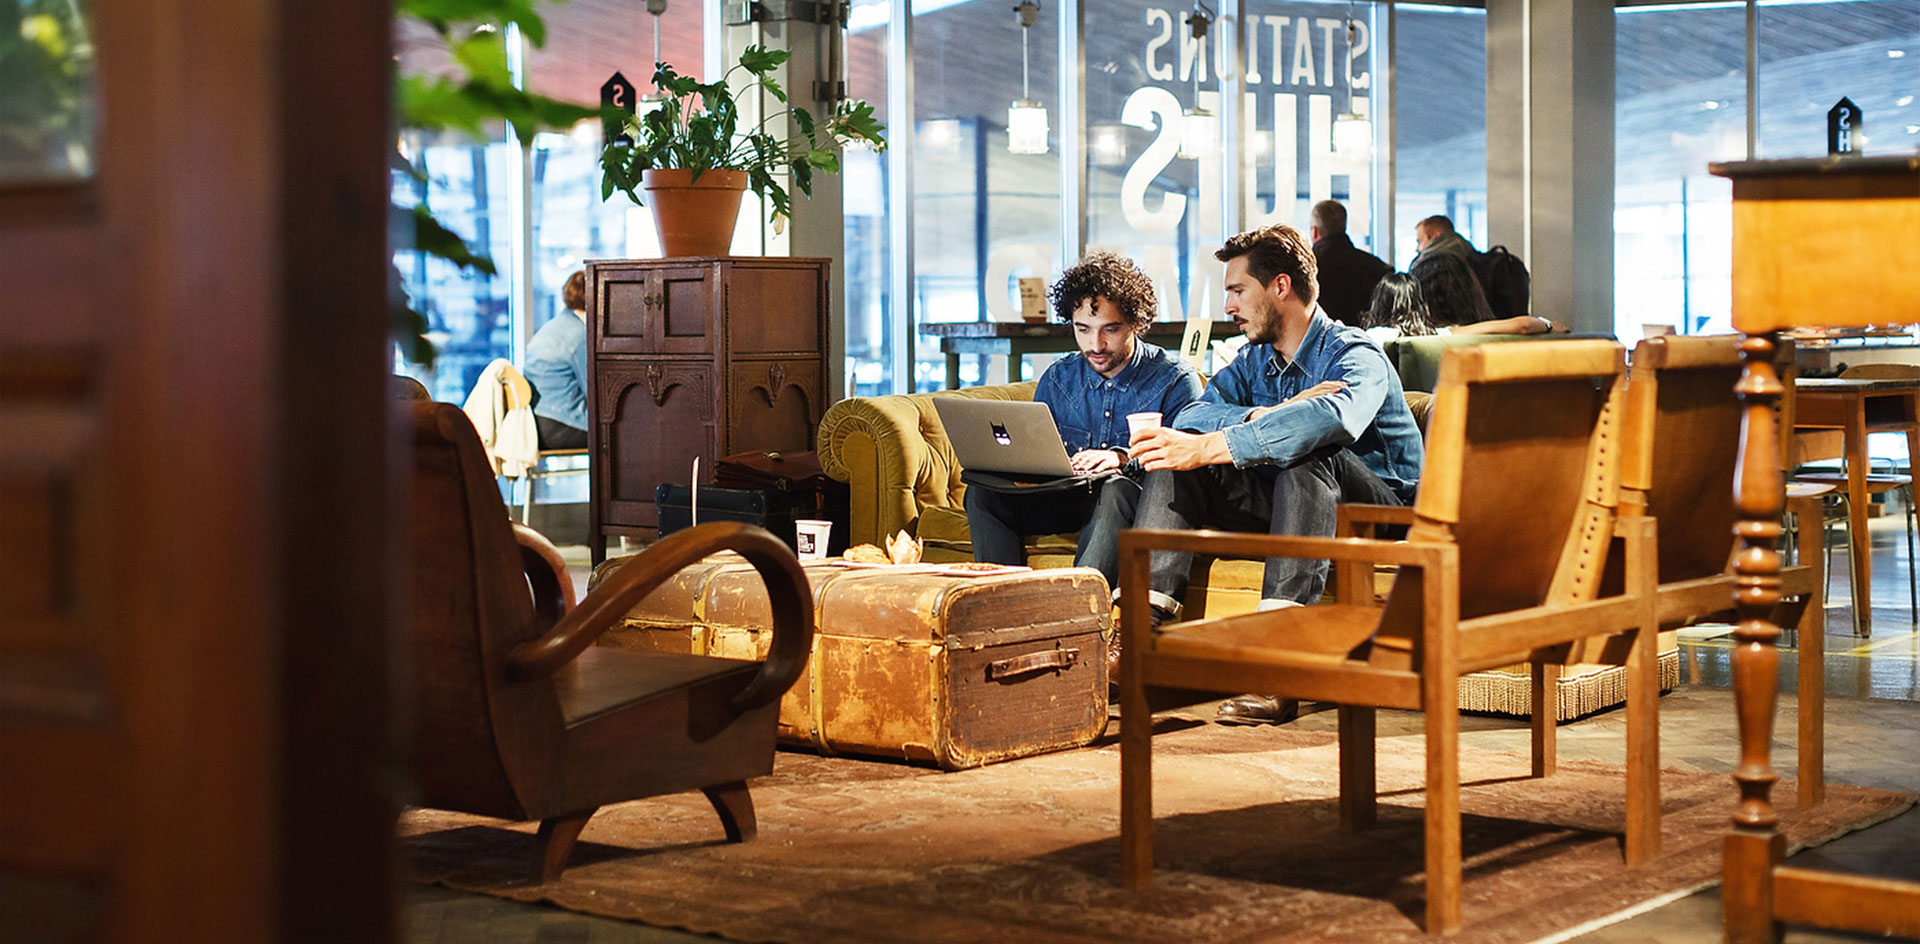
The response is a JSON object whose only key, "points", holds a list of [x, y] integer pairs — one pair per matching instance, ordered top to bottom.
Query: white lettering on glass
{"points": [[1156, 70], [1142, 109], [1002, 265]]}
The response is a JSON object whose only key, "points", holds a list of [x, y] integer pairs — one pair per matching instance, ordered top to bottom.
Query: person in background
{"points": [[1436, 234], [1347, 272], [1452, 293], [1110, 302], [1399, 310], [557, 368], [1309, 415]]}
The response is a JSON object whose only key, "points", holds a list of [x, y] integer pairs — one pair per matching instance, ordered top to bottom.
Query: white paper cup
{"points": [[1139, 421], [810, 538]]}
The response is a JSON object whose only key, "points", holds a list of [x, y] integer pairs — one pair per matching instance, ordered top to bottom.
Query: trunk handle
{"points": [[1032, 662]]}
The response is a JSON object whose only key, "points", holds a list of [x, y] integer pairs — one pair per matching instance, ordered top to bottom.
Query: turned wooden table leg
{"points": [[1755, 846]]}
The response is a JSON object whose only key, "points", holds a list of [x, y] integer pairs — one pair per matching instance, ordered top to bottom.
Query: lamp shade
{"points": [[1027, 127], [1199, 134]]}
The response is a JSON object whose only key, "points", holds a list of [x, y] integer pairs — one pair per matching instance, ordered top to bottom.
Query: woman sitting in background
{"points": [[1433, 298]]}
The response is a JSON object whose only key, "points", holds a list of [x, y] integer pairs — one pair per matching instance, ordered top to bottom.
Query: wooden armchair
{"points": [[1681, 437], [1502, 564], [517, 715]]}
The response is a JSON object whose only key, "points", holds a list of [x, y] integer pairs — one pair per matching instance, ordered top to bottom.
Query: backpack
{"points": [[1504, 278]]}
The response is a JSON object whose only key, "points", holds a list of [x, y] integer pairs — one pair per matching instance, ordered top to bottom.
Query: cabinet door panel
{"points": [[621, 303], [775, 308], [686, 311], [772, 405], [654, 418]]}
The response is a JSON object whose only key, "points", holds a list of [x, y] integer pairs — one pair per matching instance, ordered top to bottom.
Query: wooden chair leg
{"points": [[1810, 670], [1545, 720], [1643, 747], [1358, 782], [735, 806], [1443, 812], [554, 843]]}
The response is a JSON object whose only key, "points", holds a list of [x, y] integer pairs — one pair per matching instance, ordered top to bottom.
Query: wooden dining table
{"points": [[1858, 408]]}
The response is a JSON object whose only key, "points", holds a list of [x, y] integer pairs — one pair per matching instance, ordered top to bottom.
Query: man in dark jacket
{"points": [[1347, 272]]}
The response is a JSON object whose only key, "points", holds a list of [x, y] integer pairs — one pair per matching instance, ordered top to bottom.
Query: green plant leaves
{"points": [[696, 129]]}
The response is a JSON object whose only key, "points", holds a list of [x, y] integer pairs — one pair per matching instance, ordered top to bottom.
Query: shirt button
{"points": [[1109, 385], [1109, 414]]}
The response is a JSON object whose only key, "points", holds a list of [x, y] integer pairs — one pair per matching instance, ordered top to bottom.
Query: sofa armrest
{"points": [[874, 445], [894, 457]]}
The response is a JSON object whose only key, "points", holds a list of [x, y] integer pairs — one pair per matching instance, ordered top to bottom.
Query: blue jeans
{"points": [[1299, 499], [999, 522]]}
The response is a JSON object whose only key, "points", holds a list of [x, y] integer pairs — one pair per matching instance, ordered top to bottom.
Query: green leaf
{"points": [[484, 56], [760, 60], [430, 237]]}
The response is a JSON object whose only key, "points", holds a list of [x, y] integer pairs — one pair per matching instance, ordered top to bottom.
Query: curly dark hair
{"points": [[1275, 250], [1110, 276]]}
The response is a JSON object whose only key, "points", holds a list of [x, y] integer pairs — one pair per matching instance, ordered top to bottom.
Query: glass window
{"points": [[1814, 54], [1673, 115], [1440, 123], [472, 188], [1158, 198], [866, 214], [983, 216]]}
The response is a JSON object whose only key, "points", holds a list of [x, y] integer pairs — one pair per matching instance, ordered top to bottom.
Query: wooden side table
{"points": [[1815, 242], [1016, 339]]}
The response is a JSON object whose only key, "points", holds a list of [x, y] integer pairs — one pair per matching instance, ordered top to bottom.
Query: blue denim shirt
{"points": [[557, 368], [1091, 410], [1370, 417]]}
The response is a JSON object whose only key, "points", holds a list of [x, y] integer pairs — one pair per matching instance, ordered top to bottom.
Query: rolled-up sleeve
{"points": [[1291, 432]]}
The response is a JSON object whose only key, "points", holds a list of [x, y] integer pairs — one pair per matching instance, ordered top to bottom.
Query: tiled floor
{"points": [[1873, 685]]}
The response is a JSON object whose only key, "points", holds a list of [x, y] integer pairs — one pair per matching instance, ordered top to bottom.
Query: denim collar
{"points": [[1317, 323], [1122, 380]]}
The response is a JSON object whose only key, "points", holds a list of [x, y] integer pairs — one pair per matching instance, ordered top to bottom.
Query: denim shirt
{"points": [[557, 368], [1091, 410], [1370, 417]]}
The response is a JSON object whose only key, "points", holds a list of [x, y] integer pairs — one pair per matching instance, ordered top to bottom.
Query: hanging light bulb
{"points": [[655, 98], [1026, 118], [1199, 129]]}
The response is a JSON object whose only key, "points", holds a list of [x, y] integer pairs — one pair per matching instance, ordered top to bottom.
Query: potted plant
{"points": [[690, 156]]}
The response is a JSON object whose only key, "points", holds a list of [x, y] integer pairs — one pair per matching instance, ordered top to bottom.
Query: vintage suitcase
{"points": [[933, 667]]}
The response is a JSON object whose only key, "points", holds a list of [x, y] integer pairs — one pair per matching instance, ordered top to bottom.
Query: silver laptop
{"points": [[1010, 437]]}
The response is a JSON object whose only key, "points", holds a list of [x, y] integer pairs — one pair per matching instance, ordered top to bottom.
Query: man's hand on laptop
{"points": [[1167, 448], [1089, 461]]}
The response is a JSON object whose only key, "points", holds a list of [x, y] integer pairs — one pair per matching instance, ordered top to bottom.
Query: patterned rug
{"points": [[1247, 848]]}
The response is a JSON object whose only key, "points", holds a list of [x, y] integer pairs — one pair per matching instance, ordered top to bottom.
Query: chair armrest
{"points": [[1348, 516], [1249, 544], [547, 572], [787, 589]]}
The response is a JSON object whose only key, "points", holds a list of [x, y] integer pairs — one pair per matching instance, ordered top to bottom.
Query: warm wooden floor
{"points": [[1874, 683]]}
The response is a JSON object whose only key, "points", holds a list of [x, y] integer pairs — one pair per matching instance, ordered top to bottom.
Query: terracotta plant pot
{"points": [[694, 217]]}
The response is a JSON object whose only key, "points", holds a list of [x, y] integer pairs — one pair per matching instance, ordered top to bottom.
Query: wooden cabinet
{"points": [[696, 358]]}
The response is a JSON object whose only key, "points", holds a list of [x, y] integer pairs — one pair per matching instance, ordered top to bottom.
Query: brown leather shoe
{"points": [[1257, 709]]}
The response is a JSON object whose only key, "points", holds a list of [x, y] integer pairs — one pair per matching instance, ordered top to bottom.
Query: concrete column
{"points": [[1550, 151], [817, 227]]}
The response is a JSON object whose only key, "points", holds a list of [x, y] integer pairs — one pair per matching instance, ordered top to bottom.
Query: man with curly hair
{"points": [[1109, 301], [1309, 415]]}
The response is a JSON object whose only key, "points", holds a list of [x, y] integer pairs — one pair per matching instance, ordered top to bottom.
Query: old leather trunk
{"points": [[942, 668]]}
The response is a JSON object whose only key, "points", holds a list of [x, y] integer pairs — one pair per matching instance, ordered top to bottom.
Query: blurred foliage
{"points": [[46, 89], [473, 103]]}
